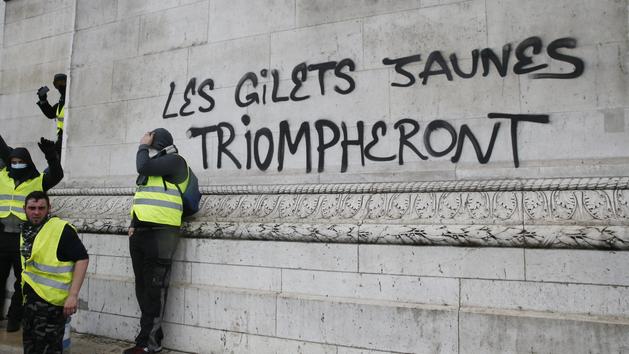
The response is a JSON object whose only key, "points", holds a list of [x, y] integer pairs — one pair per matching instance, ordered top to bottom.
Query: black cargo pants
{"points": [[152, 251]]}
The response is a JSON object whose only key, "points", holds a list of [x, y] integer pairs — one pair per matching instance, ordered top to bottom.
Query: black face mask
{"points": [[19, 174], [22, 174]]}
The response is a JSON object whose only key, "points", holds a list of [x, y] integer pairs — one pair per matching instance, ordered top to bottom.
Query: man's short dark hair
{"points": [[37, 195]]}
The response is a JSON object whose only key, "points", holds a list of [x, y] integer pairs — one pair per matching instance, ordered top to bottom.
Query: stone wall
{"points": [[435, 208], [239, 296]]}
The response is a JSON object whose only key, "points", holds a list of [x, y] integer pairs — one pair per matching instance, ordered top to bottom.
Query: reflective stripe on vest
{"points": [[60, 116], [158, 190], [12, 197], [159, 201], [50, 269], [49, 277], [48, 282]]}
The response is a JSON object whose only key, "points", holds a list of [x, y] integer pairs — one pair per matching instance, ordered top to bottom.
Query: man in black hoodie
{"points": [[57, 111], [18, 178], [154, 231]]}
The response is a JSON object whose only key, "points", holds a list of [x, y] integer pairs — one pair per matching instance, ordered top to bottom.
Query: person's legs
{"points": [[158, 247], [10, 258], [5, 269], [16, 308], [43, 328]]}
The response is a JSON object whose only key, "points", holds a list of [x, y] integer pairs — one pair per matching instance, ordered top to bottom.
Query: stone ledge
{"points": [[585, 213]]}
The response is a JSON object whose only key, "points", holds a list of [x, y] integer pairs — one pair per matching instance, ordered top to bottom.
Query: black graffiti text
{"points": [[437, 65], [299, 75], [191, 90], [325, 134]]}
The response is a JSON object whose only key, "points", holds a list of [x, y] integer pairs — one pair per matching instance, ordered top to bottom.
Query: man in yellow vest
{"points": [[57, 111], [18, 178], [154, 232], [54, 262]]}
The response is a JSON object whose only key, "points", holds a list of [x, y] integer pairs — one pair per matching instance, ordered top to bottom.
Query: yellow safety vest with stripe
{"points": [[60, 116], [12, 198], [159, 201], [49, 277]]}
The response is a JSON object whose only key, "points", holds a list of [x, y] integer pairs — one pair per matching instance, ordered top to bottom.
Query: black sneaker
{"points": [[13, 325]]}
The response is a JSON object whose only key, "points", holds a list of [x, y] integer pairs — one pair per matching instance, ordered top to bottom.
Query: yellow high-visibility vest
{"points": [[60, 116], [12, 198], [159, 201], [49, 277]]}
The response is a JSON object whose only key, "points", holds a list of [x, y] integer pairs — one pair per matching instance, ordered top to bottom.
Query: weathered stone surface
{"points": [[318, 12], [94, 13], [227, 18], [507, 25], [37, 27], [179, 27], [421, 31], [106, 43], [314, 46], [49, 49], [226, 62], [147, 75], [92, 85], [108, 119], [285, 254], [493, 263], [585, 267], [219, 275], [423, 290], [598, 300], [236, 311], [401, 328], [517, 332], [217, 341]]}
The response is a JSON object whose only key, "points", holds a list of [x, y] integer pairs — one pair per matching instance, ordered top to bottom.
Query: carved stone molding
{"points": [[552, 213]]}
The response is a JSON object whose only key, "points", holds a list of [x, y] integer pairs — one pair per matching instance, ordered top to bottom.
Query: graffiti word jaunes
{"points": [[437, 65], [261, 144]]}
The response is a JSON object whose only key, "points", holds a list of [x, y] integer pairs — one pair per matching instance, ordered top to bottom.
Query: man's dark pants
{"points": [[152, 251], [10, 258], [43, 329]]}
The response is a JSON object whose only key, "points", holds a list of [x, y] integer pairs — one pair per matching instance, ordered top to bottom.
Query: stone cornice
{"points": [[529, 184], [552, 213]]}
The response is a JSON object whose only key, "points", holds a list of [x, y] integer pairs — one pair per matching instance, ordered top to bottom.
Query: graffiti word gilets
{"points": [[435, 65]]}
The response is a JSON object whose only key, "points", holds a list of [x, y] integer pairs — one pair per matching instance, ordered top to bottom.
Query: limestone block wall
{"points": [[36, 44], [331, 66], [409, 176], [239, 296]]}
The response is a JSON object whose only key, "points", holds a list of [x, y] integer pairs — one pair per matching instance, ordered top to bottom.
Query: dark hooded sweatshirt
{"points": [[170, 166], [52, 176]]}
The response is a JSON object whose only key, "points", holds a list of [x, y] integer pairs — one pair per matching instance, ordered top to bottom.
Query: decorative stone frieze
{"points": [[549, 213]]}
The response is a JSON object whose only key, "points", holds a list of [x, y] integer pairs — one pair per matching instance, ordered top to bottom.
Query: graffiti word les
{"points": [[436, 64], [261, 143]]}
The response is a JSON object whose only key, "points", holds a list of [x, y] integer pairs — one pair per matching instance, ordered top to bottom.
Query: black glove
{"points": [[42, 93], [48, 148]]}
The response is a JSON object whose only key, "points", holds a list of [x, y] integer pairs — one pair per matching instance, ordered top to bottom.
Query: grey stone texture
{"points": [[413, 256], [228, 297]]}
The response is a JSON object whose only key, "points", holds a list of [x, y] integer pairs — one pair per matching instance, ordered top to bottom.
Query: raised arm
{"points": [[5, 150], [54, 174]]}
